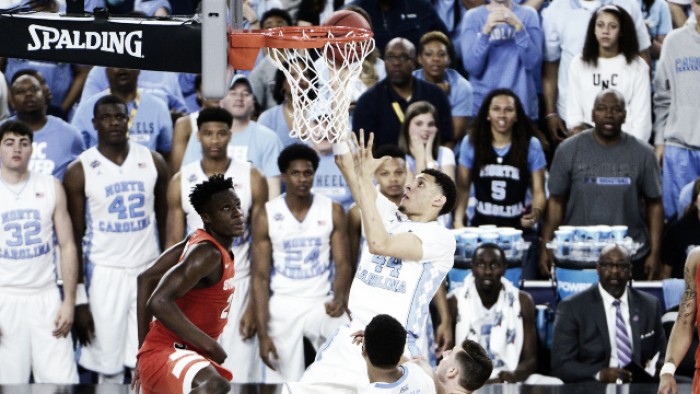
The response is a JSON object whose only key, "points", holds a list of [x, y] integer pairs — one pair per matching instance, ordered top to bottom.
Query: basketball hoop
{"points": [[320, 63]]}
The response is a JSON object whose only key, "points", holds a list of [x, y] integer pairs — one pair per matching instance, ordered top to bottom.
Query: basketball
{"points": [[345, 52]]}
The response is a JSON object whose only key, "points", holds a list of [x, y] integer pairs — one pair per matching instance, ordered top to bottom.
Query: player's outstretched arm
{"points": [[74, 185], [161, 199], [176, 221], [405, 246], [200, 268], [147, 281], [682, 332]]}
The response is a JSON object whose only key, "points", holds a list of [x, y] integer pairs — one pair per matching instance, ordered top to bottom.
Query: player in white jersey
{"points": [[214, 134], [117, 196], [298, 240], [406, 256], [34, 323], [383, 342]]}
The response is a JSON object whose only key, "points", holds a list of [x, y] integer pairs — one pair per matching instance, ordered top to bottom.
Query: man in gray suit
{"points": [[600, 332]]}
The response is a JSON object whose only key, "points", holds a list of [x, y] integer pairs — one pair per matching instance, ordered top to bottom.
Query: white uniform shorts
{"points": [[112, 298], [291, 319], [26, 343], [243, 356], [339, 367]]}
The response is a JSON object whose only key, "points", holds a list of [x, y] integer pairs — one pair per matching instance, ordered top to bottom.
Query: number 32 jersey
{"points": [[120, 216], [26, 234]]}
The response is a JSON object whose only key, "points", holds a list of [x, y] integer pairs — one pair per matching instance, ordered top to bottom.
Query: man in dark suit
{"points": [[601, 331]]}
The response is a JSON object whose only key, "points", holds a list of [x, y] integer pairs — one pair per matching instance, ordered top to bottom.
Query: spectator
{"points": [[313, 12], [679, 12], [451, 13], [657, 18], [409, 19], [564, 25], [501, 48], [435, 56], [610, 59], [262, 78], [65, 81], [162, 84], [188, 87], [48, 96], [381, 108], [4, 109], [280, 118], [149, 122], [677, 124], [185, 126], [214, 132], [420, 139], [251, 141], [55, 143], [502, 158], [605, 176], [328, 181], [685, 198], [117, 203], [681, 236], [297, 240], [488, 309], [36, 323], [600, 332]]}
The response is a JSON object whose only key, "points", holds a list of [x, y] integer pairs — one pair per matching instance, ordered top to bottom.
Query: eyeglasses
{"points": [[398, 59], [493, 266], [618, 266]]}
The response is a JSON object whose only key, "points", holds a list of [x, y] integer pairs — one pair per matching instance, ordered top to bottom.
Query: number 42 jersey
{"points": [[120, 216]]}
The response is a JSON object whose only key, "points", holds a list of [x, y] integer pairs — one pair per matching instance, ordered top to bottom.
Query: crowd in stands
{"points": [[543, 112]]}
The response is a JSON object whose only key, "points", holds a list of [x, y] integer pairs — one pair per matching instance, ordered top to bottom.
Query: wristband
{"points": [[551, 115], [340, 148], [81, 297], [668, 368]]}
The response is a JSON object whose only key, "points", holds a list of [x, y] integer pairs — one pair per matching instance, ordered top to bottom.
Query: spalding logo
{"points": [[119, 42]]}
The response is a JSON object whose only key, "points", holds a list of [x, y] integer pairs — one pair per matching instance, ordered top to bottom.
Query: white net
{"points": [[322, 82]]}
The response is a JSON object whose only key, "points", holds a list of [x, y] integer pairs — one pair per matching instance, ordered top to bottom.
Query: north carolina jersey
{"points": [[239, 171], [120, 217], [26, 239], [301, 251], [405, 288], [413, 381]]}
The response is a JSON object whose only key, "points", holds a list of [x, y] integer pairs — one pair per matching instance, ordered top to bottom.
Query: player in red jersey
{"points": [[191, 302]]}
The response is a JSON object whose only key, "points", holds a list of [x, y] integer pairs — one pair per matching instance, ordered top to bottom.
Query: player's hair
{"points": [[280, 13], [436, 36], [627, 43], [28, 71], [109, 99], [413, 110], [214, 114], [16, 127], [481, 136], [389, 150], [297, 152], [447, 185], [201, 193], [490, 245], [384, 341], [474, 365]]}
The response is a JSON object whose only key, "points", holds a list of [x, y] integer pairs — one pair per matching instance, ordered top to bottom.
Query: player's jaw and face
{"points": [[27, 95], [239, 101], [112, 124], [214, 137], [15, 152], [391, 177], [299, 178], [421, 195], [224, 215], [488, 268], [448, 367]]}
